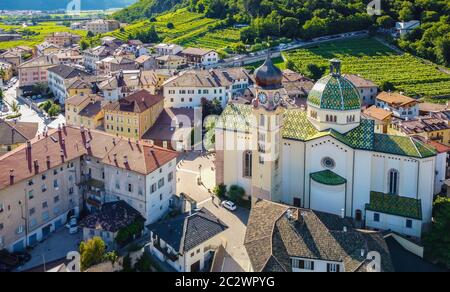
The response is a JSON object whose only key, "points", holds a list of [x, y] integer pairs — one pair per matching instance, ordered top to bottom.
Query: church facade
{"points": [[324, 157]]}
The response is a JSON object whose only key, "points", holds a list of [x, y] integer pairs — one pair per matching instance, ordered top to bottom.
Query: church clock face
{"points": [[262, 97], [277, 98]]}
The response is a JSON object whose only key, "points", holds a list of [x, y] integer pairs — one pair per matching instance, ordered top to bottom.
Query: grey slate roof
{"points": [[66, 72], [112, 217], [186, 232], [272, 239]]}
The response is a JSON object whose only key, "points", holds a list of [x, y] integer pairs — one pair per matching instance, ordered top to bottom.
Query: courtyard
{"points": [[53, 248]]}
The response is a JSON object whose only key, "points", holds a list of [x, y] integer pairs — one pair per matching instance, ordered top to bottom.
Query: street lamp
{"points": [[199, 174]]}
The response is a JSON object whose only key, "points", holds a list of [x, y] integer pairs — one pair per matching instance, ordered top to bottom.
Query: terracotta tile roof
{"points": [[195, 51], [167, 58], [142, 59], [37, 62], [208, 78], [359, 81], [78, 99], [395, 99], [137, 102], [432, 107], [377, 113], [423, 125], [163, 129], [17, 132], [69, 143], [141, 158], [276, 233]]}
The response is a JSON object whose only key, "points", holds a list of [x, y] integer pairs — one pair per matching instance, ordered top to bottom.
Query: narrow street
{"points": [[188, 169]]}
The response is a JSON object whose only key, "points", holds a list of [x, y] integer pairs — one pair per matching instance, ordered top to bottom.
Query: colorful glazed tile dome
{"points": [[268, 76], [335, 92]]}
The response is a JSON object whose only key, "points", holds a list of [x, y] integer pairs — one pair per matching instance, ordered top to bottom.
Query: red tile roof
{"points": [[60, 146]]}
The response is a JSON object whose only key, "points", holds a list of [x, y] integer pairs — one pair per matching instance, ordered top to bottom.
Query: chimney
{"points": [[114, 141], [88, 144], [29, 145], [62, 156], [115, 157], [125, 159], [48, 161], [36, 166], [11, 176], [342, 213], [345, 229], [363, 252]]}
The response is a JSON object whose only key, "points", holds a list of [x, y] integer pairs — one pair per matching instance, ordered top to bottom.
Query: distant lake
{"points": [[62, 4]]}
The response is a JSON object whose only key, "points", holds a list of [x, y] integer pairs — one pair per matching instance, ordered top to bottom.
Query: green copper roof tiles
{"points": [[334, 93], [237, 117], [401, 145], [327, 177], [395, 205]]}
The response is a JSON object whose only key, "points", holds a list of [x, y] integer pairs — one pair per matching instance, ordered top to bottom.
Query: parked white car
{"points": [[229, 205], [72, 225]]}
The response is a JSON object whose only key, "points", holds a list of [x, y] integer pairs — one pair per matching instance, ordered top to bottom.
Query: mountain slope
{"points": [[146, 9]]}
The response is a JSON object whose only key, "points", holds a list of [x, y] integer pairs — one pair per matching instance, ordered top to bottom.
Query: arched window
{"points": [[327, 118], [335, 119], [247, 161], [394, 178]]}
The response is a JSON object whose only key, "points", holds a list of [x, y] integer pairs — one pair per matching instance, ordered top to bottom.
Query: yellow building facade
{"points": [[134, 115]]}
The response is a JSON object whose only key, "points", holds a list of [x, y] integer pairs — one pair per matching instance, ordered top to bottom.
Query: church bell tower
{"points": [[268, 108]]}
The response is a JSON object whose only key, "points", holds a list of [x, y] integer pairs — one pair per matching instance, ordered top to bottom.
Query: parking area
{"points": [[189, 167], [54, 248]]}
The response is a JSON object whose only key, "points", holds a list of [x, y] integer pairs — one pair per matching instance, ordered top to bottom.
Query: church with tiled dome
{"points": [[324, 156]]}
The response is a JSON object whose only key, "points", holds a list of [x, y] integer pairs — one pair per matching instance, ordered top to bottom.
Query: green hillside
{"points": [[189, 29]]}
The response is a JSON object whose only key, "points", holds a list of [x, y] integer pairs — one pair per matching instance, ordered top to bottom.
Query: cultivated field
{"points": [[43, 29], [190, 29], [373, 60]]}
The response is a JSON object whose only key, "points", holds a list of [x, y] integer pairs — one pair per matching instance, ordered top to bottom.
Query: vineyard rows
{"points": [[373, 60]]}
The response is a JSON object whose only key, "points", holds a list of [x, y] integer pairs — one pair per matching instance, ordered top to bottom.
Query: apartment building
{"points": [[99, 26], [63, 39], [47, 48], [168, 49], [94, 55], [12, 57], [200, 57], [171, 62], [114, 64], [34, 71], [59, 78], [126, 82], [188, 88], [368, 90], [401, 106], [84, 110], [133, 115], [432, 128], [50, 177]]}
